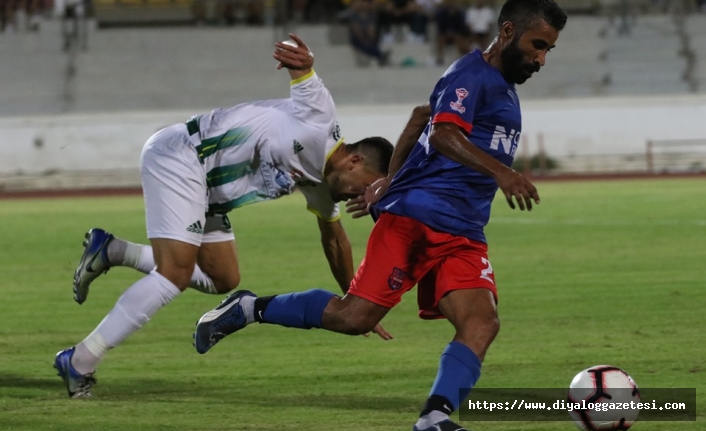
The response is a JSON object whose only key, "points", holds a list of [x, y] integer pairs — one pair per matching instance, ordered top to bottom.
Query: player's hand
{"points": [[293, 57], [515, 185], [360, 206], [378, 329]]}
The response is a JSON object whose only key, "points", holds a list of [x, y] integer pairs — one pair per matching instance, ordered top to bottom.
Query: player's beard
{"points": [[515, 69]]}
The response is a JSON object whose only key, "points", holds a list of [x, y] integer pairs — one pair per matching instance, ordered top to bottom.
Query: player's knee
{"points": [[179, 276], [492, 325], [481, 327]]}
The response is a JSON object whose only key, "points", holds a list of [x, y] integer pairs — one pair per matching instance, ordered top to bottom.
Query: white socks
{"points": [[125, 253], [141, 257], [248, 305], [134, 308], [429, 419]]}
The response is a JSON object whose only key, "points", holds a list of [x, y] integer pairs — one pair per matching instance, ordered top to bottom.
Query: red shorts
{"points": [[403, 252]]}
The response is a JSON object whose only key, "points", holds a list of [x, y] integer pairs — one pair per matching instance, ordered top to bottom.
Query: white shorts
{"points": [[174, 187]]}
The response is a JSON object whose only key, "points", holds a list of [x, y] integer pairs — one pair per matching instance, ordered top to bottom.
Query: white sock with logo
{"points": [[141, 257], [248, 305], [134, 308]]}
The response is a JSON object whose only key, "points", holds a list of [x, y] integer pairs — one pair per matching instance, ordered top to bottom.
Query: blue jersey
{"points": [[439, 192]]}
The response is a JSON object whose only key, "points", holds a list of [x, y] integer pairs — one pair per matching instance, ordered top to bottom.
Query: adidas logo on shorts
{"points": [[297, 147], [195, 227]]}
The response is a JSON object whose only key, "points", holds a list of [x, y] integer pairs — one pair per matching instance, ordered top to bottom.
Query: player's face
{"points": [[527, 53], [349, 182]]}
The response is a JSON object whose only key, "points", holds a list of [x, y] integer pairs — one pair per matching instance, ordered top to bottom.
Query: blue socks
{"points": [[294, 310], [459, 370]]}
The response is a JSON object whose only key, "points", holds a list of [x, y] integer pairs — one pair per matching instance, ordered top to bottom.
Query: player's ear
{"points": [[507, 32], [355, 160]]}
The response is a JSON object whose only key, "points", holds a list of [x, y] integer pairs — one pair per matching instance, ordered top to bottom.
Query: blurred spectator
{"points": [[701, 4], [198, 8], [298, 9], [9, 10], [424, 11], [230, 12], [396, 12], [7, 15], [480, 18], [73, 23], [363, 27], [451, 29]]}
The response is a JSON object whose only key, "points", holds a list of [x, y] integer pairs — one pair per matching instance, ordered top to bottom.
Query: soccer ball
{"points": [[603, 398]]}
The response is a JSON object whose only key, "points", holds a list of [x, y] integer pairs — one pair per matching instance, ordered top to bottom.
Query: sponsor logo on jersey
{"points": [[461, 93], [508, 141], [297, 147], [283, 180], [195, 227], [396, 279]]}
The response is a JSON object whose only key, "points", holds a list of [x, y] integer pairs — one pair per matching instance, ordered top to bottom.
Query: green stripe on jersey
{"points": [[230, 138], [227, 174], [248, 198]]}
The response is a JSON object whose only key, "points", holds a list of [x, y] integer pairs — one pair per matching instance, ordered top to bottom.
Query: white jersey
{"points": [[260, 150]]}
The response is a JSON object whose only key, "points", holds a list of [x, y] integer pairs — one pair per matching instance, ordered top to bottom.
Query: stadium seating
{"points": [[196, 68]]}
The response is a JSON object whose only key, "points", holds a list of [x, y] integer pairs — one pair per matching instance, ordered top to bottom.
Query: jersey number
{"points": [[485, 273]]}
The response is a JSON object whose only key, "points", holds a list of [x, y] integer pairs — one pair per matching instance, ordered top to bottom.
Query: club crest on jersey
{"points": [[461, 93], [396, 279]]}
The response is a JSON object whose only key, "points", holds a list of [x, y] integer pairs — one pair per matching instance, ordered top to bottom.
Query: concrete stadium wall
{"points": [[104, 143]]}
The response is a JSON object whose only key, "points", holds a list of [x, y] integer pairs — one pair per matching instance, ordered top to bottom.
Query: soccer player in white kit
{"points": [[193, 173]]}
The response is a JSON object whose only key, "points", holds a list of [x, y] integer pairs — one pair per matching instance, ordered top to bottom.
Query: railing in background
{"points": [[676, 155]]}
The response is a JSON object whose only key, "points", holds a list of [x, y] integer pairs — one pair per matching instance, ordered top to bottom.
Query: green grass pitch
{"points": [[599, 273]]}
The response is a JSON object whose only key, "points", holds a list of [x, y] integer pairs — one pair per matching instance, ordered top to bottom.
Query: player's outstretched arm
{"points": [[298, 60], [452, 142], [337, 249], [339, 254]]}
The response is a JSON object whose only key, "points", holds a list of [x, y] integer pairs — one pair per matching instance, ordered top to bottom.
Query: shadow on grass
{"points": [[14, 381], [166, 391], [248, 394]]}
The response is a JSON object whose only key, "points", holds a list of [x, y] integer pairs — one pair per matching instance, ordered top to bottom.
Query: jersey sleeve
{"points": [[458, 99], [313, 103], [319, 202]]}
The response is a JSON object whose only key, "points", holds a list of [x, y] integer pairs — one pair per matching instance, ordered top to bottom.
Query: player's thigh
{"points": [[174, 187], [395, 260], [464, 266], [353, 315]]}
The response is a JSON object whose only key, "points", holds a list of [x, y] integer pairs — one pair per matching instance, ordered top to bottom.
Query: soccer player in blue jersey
{"points": [[448, 164]]}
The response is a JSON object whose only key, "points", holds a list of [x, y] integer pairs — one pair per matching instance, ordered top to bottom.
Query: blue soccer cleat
{"points": [[94, 262], [223, 320], [78, 385], [445, 425]]}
